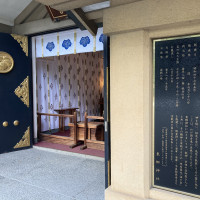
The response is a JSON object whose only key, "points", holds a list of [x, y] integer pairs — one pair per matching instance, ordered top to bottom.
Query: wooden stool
{"points": [[95, 131], [91, 133]]}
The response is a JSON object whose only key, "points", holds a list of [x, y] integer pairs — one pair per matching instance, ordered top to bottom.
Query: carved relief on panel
{"points": [[23, 41], [6, 62], [22, 91], [25, 141]]}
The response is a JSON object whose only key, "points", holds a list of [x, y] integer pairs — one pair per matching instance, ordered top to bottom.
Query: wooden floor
{"points": [[63, 137], [57, 139], [88, 151]]}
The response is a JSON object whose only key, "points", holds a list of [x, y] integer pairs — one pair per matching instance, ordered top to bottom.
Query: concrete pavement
{"points": [[36, 174]]}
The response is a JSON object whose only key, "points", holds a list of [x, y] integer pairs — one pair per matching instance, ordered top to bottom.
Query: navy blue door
{"points": [[15, 94], [107, 110]]}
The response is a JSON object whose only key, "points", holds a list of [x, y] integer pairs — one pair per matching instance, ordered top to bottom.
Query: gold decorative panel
{"points": [[23, 41], [6, 62], [22, 91], [25, 141]]}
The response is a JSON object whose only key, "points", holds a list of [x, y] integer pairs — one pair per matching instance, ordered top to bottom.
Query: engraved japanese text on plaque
{"points": [[177, 114]]}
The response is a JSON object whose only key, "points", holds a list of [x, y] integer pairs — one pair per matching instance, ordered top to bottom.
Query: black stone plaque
{"points": [[177, 114]]}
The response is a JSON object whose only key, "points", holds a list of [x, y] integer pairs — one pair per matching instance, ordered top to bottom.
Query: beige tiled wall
{"points": [[132, 28]]}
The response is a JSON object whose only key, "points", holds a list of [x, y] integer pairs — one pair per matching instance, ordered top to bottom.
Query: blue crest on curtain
{"points": [[101, 38], [85, 41], [66, 44], [47, 45], [50, 46]]}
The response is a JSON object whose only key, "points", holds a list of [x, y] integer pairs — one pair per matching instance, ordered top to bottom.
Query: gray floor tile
{"points": [[32, 173], [14, 190]]}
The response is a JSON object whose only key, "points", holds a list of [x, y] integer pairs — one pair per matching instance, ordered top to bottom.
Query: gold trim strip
{"points": [[58, 44], [94, 48], [25, 141]]}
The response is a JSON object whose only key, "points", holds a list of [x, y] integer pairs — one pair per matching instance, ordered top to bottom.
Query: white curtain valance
{"points": [[68, 42]]}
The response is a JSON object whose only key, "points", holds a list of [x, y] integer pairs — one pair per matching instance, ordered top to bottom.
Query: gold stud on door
{"points": [[16, 123], [5, 124]]}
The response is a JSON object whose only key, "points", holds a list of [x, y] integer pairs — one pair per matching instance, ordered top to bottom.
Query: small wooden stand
{"points": [[91, 133]]}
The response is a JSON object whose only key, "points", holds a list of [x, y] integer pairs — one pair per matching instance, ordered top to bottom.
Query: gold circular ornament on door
{"points": [[6, 62]]}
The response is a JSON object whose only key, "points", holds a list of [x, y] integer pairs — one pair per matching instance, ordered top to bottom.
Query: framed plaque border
{"points": [[153, 117]]}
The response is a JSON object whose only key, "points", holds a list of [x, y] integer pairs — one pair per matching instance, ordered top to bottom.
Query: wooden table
{"points": [[61, 119]]}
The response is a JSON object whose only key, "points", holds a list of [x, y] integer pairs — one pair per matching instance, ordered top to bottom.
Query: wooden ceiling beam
{"points": [[52, 2], [75, 4], [64, 5], [26, 12], [38, 14], [94, 14], [46, 16], [79, 17], [98, 21], [40, 26], [5, 28]]}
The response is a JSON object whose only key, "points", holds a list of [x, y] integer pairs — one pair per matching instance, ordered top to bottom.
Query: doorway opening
{"points": [[69, 91]]}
